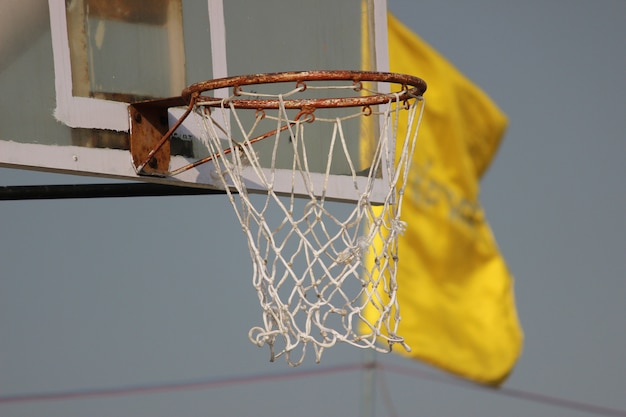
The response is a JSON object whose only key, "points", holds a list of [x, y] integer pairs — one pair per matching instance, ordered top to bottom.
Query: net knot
{"points": [[398, 226]]}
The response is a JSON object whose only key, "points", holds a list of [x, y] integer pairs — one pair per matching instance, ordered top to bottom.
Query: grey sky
{"points": [[98, 294]]}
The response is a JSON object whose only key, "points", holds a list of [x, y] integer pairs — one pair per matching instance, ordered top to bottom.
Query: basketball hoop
{"points": [[314, 271]]}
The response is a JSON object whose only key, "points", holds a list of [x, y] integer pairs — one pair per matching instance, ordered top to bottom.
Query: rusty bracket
{"points": [[150, 133]]}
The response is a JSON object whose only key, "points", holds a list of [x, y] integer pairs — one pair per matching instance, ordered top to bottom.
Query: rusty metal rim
{"points": [[412, 87]]}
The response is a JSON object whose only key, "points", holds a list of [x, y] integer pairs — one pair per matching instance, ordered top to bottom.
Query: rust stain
{"points": [[152, 12]]}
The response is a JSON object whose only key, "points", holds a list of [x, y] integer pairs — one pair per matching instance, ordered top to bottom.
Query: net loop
{"points": [[301, 86], [307, 112], [259, 114]]}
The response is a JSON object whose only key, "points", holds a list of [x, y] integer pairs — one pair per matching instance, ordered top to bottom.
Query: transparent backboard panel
{"points": [[69, 69]]}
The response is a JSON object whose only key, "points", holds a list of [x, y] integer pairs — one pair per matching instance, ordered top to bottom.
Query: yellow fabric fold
{"points": [[454, 289]]}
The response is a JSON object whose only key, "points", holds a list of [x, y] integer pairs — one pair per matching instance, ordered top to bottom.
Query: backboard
{"points": [[69, 70]]}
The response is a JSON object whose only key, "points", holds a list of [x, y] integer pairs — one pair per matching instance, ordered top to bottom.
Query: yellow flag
{"points": [[454, 289]]}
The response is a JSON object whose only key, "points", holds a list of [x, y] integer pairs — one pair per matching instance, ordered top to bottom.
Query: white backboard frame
{"points": [[85, 112]]}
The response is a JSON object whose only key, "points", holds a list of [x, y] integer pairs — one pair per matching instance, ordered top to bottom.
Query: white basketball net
{"points": [[315, 272]]}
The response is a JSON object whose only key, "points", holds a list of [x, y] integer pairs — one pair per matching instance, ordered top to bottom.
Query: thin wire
{"points": [[293, 374], [194, 385], [509, 392]]}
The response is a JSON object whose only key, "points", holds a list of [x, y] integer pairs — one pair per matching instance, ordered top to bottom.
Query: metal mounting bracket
{"points": [[150, 134]]}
